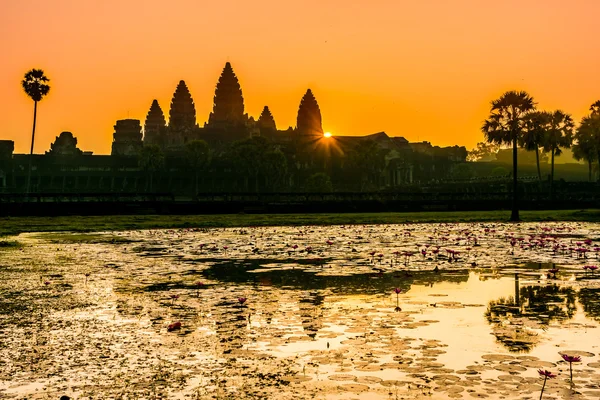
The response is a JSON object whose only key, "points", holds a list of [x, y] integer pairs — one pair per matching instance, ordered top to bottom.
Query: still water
{"points": [[303, 312]]}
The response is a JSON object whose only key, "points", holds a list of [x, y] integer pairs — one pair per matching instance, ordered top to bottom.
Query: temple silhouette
{"points": [[246, 154]]}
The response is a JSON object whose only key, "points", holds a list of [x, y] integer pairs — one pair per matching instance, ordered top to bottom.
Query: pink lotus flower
{"points": [[46, 283], [397, 290], [242, 300], [571, 360], [546, 373]]}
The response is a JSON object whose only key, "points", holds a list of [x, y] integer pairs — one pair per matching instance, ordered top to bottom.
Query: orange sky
{"points": [[425, 70]]}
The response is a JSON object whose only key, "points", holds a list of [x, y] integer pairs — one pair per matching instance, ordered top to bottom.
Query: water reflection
{"points": [[311, 280], [590, 301], [516, 319]]}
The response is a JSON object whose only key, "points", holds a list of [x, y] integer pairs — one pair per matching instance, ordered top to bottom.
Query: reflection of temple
{"points": [[306, 149], [311, 312]]}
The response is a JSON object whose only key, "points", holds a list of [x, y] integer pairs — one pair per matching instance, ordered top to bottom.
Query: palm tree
{"points": [[35, 85], [595, 108], [536, 124], [505, 126], [558, 136], [587, 146], [197, 154], [151, 160]]}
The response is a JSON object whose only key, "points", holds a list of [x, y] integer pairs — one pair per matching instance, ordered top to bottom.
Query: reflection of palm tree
{"points": [[35, 84], [590, 300], [537, 306]]}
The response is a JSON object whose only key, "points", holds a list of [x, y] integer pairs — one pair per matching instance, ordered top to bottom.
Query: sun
{"points": [[327, 134]]}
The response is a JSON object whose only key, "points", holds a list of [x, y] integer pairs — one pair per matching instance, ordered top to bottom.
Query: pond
{"points": [[337, 312]]}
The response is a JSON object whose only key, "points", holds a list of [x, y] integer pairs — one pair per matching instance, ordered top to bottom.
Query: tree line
{"points": [[515, 121]]}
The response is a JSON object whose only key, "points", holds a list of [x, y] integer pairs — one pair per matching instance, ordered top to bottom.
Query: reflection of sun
{"points": [[327, 134]]}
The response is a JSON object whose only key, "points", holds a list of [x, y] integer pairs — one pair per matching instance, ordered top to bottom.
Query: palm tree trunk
{"points": [[31, 151], [537, 160], [598, 165], [589, 171], [552, 176], [514, 216]]}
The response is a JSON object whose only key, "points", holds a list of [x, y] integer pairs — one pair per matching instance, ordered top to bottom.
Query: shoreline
{"points": [[10, 226]]}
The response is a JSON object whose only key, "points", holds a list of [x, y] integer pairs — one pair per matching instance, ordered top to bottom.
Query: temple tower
{"points": [[228, 108], [182, 114], [309, 117], [266, 120], [155, 124], [127, 139], [65, 145]]}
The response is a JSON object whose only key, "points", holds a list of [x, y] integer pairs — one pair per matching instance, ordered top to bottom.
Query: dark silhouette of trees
{"points": [[35, 84], [595, 108], [505, 125], [534, 134], [558, 136], [586, 143], [483, 152], [197, 155], [256, 158], [151, 160], [368, 162], [275, 168], [318, 183]]}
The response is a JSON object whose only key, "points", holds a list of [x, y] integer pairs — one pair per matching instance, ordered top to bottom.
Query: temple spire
{"points": [[228, 105], [182, 115], [309, 116], [266, 120], [155, 124]]}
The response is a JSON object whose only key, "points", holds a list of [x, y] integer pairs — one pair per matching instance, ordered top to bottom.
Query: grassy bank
{"points": [[16, 225]]}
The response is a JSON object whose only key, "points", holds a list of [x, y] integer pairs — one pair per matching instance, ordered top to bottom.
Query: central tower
{"points": [[228, 108], [308, 123]]}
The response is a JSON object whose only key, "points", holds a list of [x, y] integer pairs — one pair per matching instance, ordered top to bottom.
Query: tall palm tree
{"points": [[35, 84], [536, 124], [505, 126], [558, 136], [588, 141], [585, 145], [151, 159]]}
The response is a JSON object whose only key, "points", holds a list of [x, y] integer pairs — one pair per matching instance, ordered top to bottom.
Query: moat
{"points": [[302, 312]]}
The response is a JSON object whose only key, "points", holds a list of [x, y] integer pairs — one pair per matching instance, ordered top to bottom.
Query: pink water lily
{"points": [[571, 360], [547, 375]]}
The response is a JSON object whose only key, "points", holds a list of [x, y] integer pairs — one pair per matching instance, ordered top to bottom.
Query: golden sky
{"points": [[425, 69]]}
